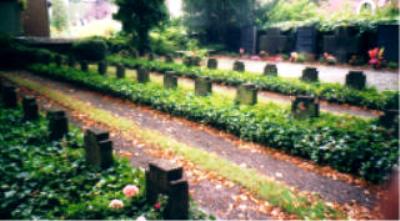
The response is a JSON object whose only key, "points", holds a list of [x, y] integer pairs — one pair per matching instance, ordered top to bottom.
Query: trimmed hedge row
{"points": [[330, 92], [348, 144]]}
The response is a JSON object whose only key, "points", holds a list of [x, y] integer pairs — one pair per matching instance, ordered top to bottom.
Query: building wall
{"points": [[36, 19], [10, 22]]}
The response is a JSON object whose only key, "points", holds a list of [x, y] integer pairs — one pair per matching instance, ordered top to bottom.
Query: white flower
{"points": [[141, 218]]}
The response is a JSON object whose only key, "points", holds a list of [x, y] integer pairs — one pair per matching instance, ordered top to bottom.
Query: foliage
{"points": [[59, 15], [138, 17], [90, 49], [331, 92], [347, 144], [43, 180]]}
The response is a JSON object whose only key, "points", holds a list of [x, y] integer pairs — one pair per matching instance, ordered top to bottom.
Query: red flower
{"points": [[157, 206]]}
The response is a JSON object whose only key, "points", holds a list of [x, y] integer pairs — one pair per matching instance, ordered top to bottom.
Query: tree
{"points": [[59, 17], [138, 17], [215, 18]]}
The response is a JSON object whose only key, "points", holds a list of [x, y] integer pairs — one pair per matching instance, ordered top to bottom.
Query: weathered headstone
{"points": [[388, 38], [306, 40], [274, 42], [344, 43], [151, 56], [59, 59], [169, 59], [191, 61], [71, 62], [212, 63], [84, 66], [238, 66], [102, 67], [271, 70], [120, 71], [310, 74], [143, 75], [356, 79], [170, 80], [203, 86], [9, 94], [247, 94], [305, 107], [31, 108], [390, 119], [58, 124], [98, 148], [164, 178]]}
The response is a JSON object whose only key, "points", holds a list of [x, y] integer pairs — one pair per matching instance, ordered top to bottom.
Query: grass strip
{"points": [[276, 193]]}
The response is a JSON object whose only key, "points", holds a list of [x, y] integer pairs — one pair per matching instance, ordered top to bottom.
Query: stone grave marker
{"points": [[169, 58], [212, 63], [84, 66], [238, 66], [102, 67], [271, 70], [120, 71], [310, 74], [143, 75], [356, 79], [170, 80], [203, 86], [247, 94], [9, 95], [305, 107], [31, 108], [390, 119], [58, 124], [98, 148], [167, 179]]}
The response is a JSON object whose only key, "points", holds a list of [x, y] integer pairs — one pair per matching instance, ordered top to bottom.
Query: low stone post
{"points": [[151, 56], [169, 58], [59, 60], [192, 61], [71, 62], [212, 63], [84, 66], [238, 66], [102, 67], [271, 70], [120, 71], [310, 74], [143, 75], [170, 80], [356, 80], [202, 86], [247, 94], [9, 95], [305, 107], [31, 108], [390, 119], [58, 124], [98, 148], [164, 178]]}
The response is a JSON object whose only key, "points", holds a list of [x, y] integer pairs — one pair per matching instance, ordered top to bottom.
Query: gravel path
{"points": [[382, 80], [329, 189]]}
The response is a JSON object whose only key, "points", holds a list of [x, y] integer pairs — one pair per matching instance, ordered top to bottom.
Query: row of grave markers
{"points": [[302, 106], [161, 176]]}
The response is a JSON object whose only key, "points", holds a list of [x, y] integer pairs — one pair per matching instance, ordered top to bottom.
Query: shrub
{"points": [[90, 50]]}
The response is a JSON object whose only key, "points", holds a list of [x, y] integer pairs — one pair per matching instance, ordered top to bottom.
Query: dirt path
{"points": [[243, 153], [218, 197]]}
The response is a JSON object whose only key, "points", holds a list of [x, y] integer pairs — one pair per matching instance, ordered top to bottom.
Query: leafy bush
{"points": [[90, 50], [335, 93], [347, 144], [43, 180]]}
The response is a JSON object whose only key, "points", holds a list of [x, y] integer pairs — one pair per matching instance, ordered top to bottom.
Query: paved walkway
{"points": [[382, 80]]}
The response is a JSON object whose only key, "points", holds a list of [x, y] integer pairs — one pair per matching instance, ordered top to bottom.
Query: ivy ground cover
{"points": [[330, 92], [347, 144], [51, 180]]}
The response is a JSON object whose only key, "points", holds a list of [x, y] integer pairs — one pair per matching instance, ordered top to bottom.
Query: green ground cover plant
{"points": [[334, 93], [347, 144], [51, 180]]}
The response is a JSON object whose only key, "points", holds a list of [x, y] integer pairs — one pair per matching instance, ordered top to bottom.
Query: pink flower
{"points": [[130, 191], [116, 204], [157, 206], [141, 218]]}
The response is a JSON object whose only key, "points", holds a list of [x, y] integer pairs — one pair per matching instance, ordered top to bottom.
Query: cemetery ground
{"points": [[228, 177]]}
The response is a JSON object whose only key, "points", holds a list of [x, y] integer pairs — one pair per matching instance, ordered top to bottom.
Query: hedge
{"points": [[348, 144]]}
